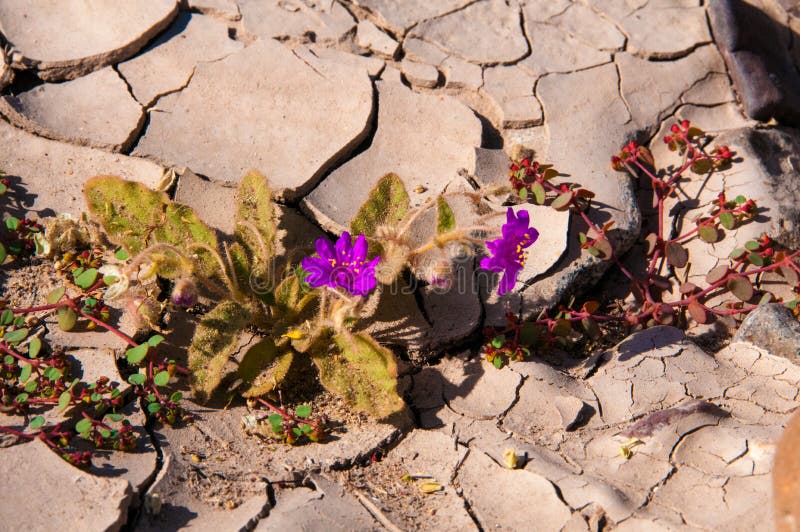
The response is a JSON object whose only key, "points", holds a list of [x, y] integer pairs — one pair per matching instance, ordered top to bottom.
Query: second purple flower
{"points": [[508, 255], [343, 265]]}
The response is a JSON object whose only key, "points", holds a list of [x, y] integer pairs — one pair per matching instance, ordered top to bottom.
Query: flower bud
{"points": [[185, 293], [145, 312]]}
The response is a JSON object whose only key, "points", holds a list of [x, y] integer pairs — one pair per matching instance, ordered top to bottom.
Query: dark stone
{"points": [[756, 50], [776, 152], [772, 327]]}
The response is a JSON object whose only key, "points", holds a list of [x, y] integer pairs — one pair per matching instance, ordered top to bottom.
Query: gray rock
{"points": [[224, 9], [399, 15], [320, 21], [660, 30], [483, 32], [369, 36], [71, 38], [555, 50], [169, 62], [460, 74], [419, 75], [511, 88], [263, 108], [95, 110], [409, 125], [51, 174], [772, 327], [67, 496], [498, 496], [174, 499], [328, 507]]}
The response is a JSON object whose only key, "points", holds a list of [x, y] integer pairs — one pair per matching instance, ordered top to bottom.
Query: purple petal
{"points": [[343, 247], [324, 248], [360, 249], [488, 263], [319, 271], [508, 281]]}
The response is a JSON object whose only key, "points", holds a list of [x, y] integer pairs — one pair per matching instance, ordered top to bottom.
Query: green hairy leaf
{"points": [[387, 204], [136, 217], [446, 220], [255, 221], [214, 342], [263, 368], [364, 374]]}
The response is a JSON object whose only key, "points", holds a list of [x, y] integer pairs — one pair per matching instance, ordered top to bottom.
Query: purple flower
{"points": [[507, 252], [344, 265]]}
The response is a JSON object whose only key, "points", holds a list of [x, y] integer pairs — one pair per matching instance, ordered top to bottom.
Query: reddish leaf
{"points": [[702, 166], [548, 174], [604, 247], [677, 255], [717, 274], [789, 274], [741, 287], [687, 288], [591, 307], [697, 312], [665, 314], [562, 328], [591, 328]]}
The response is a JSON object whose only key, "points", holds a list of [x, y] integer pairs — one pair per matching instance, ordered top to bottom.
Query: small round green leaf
{"points": [[538, 193], [562, 201], [727, 220], [12, 223], [708, 233], [752, 245], [3, 253], [737, 253], [121, 254], [755, 259], [86, 279], [56, 295], [6, 317], [67, 318], [16, 336], [155, 340], [498, 341], [34, 346], [136, 354], [25, 373], [53, 374], [161, 378], [137, 379], [31, 386], [176, 397], [22, 398], [63, 401], [154, 408], [303, 411], [115, 417], [37, 422], [83, 426]]}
